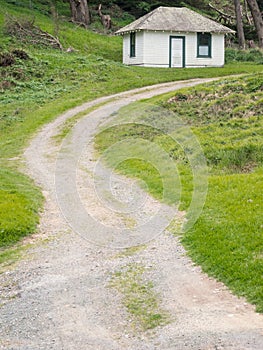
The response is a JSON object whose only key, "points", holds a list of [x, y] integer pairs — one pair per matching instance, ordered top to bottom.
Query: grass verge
{"points": [[226, 118], [20, 202], [227, 240]]}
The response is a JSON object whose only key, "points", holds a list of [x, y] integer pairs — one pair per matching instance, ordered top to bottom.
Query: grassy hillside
{"points": [[43, 82], [227, 119]]}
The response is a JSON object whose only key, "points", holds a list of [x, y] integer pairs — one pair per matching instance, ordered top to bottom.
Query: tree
{"points": [[260, 5], [80, 12], [105, 19], [258, 21], [240, 28]]}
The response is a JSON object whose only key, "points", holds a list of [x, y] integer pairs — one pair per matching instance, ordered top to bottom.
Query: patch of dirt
{"points": [[60, 294]]}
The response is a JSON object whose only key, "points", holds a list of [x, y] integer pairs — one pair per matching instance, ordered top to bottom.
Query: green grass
{"points": [[37, 90], [19, 205], [227, 239], [139, 297]]}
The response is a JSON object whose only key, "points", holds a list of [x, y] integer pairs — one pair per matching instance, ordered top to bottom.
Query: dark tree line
{"points": [[138, 8], [255, 9], [81, 14]]}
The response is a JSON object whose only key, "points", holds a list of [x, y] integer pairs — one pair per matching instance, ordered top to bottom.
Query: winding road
{"points": [[58, 295]]}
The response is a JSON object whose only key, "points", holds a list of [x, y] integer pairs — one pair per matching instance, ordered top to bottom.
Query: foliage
{"points": [[138, 8], [253, 55]]}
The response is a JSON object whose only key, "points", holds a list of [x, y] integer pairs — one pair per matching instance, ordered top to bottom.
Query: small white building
{"points": [[174, 37]]}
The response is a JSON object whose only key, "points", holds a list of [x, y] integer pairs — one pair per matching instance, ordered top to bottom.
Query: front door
{"points": [[177, 52]]}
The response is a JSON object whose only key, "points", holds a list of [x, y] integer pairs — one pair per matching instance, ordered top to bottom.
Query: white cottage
{"points": [[174, 37]]}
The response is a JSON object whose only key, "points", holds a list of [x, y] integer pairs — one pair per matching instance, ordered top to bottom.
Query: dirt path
{"points": [[59, 296]]}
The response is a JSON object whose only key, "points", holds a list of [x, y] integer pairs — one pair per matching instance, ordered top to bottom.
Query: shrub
{"points": [[253, 55]]}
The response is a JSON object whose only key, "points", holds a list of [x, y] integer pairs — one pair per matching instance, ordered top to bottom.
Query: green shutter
{"points": [[132, 44]]}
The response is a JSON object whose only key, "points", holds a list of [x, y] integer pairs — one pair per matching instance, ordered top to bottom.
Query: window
{"points": [[132, 44], [203, 45]]}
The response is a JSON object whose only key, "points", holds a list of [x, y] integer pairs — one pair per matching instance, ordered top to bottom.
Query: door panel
{"points": [[177, 52]]}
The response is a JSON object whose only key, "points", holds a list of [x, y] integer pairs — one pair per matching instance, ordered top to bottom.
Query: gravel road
{"points": [[58, 295]]}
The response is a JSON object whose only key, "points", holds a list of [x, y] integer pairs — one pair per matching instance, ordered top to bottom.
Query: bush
{"points": [[252, 55]]}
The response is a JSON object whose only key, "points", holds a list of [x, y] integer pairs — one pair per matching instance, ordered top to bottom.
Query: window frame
{"points": [[132, 44], [209, 45]]}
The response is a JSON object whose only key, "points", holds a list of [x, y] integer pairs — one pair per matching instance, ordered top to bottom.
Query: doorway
{"points": [[177, 52]]}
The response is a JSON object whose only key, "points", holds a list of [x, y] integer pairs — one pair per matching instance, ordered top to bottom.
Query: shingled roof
{"points": [[176, 19]]}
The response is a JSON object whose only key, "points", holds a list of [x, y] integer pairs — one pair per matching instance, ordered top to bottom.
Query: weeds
{"points": [[139, 297]]}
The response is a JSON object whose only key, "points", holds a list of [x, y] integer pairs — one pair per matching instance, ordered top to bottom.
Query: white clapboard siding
{"points": [[139, 49], [153, 49], [156, 49], [217, 55]]}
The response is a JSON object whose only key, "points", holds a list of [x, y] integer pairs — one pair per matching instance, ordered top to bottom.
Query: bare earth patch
{"points": [[59, 297]]}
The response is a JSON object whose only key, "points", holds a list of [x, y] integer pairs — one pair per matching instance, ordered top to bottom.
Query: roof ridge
{"points": [[175, 19]]}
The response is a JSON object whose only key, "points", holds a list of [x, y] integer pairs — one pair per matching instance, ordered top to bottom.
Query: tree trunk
{"points": [[80, 12], [246, 13], [105, 19], [258, 21], [240, 28]]}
